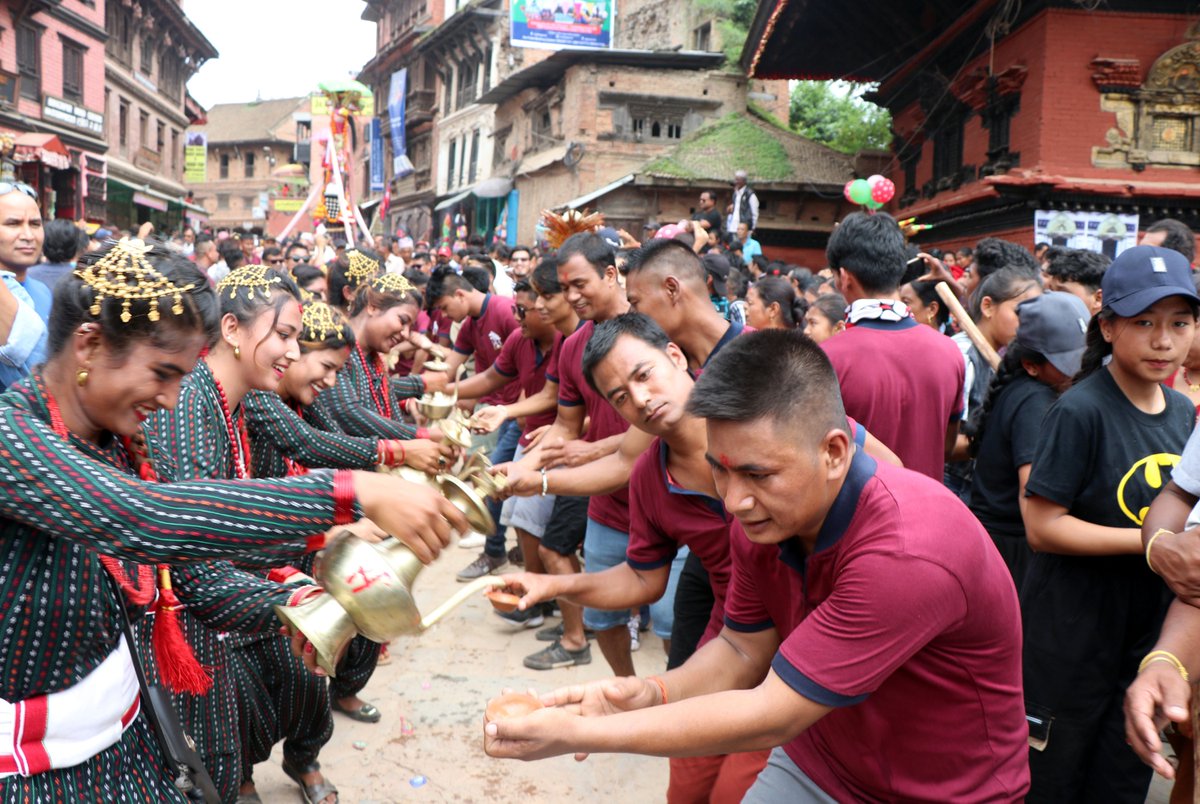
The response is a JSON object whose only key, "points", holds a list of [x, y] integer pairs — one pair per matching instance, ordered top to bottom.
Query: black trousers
{"points": [[693, 609]]}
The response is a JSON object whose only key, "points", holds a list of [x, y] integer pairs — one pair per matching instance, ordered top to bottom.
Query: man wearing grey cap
{"points": [[1038, 366]]}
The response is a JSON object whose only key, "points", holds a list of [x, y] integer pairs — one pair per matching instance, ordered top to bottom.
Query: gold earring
{"points": [[237, 353], [81, 377]]}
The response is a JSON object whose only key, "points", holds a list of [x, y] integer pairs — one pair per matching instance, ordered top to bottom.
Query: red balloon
{"points": [[846, 191], [883, 191]]}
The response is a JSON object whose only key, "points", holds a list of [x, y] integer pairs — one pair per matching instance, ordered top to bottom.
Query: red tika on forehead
{"points": [[724, 459]]}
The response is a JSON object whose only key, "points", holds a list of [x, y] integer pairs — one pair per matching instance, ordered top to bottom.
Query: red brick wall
{"points": [[1060, 119]]}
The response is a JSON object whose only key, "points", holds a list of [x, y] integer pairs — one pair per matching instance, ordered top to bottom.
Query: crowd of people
{"points": [[913, 525]]}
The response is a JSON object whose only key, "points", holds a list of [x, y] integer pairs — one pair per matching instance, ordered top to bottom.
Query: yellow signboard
{"points": [[320, 106], [195, 158], [288, 204]]}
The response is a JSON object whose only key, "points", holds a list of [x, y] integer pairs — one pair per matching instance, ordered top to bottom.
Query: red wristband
{"points": [[343, 497], [315, 543], [289, 574], [662, 687]]}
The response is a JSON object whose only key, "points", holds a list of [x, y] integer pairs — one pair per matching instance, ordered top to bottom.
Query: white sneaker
{"points": [[472, 541]]}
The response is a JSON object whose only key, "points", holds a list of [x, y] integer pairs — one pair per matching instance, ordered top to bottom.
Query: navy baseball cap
{"points": [[610, 236], [1142, 276], [1055, 326]]}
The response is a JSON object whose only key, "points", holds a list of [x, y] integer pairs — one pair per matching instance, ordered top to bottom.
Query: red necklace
{"points": [[383, 405], [239, 442], [143, 592]]}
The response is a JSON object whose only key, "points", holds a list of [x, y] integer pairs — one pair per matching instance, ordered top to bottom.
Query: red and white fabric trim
{"points": [[69, 727]]}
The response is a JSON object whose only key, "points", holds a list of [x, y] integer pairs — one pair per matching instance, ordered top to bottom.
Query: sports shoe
{"points": [[472, 541], [515, 556], [484, 565], [530, 618], [634, 625], [555, 632], [556, 656]]}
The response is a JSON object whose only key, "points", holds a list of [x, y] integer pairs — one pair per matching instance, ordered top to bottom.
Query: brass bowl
{"points": [[437, 365], [436, 407]]}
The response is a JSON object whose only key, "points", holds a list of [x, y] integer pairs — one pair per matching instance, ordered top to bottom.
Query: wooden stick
{"points": [[968, 326]]}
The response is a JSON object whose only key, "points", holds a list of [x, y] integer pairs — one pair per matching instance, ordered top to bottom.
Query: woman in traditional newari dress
{"points": [[127, 326], [278, 698]]}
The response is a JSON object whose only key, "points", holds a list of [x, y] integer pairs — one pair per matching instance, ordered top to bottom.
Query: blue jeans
{"points": [[506, 447], [604, 548]]}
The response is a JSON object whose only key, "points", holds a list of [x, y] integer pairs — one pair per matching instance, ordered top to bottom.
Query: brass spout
{"points": [[458, 598]]}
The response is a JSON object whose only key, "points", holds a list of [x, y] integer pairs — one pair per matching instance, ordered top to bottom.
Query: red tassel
{"points": [[177, 664]]}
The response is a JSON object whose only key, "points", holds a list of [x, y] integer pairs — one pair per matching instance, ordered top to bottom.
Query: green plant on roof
{"points": [[732, 140]]}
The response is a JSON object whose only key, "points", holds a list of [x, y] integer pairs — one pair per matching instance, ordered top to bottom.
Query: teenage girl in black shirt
{"points": [[1090, 605]]}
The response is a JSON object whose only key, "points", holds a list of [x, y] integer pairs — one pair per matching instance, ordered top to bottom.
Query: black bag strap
{"points": [[162, 716]]}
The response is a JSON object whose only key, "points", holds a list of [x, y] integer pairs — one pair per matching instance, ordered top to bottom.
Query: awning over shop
{"points": [[45, 148], [147, 196], [587, 198], [452, 200]]}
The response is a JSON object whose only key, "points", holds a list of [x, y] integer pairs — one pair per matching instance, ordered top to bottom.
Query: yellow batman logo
{"points": [[1150, 469]]}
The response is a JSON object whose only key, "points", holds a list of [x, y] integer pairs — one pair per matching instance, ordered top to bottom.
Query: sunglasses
{"points": [[7, 187], [299, 258], [275, 261], [521, 311]]}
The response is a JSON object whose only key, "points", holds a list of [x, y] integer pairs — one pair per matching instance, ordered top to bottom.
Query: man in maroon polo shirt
{"points": [[487, 320], [902, 380], [871, 635]]}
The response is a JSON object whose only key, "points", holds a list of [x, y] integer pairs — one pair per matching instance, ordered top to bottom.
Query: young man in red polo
{"points": [[487, 320], [902, 380], [872, 633]]}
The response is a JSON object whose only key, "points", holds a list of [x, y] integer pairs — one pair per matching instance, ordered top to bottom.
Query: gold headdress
{"points": [[571, 222], [362, 267], [124, 273], [252, 278], [392, 283], [319, 321]]}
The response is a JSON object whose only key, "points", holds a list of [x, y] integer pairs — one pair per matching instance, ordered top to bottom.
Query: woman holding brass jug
{"points": [[205, 436], [82, 531]]}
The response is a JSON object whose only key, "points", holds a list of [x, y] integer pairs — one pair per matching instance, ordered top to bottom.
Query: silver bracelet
{"points": [[545, 482]]}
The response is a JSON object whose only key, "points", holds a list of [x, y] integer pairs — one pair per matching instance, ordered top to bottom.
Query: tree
{"points": [[733, 19], [824, 112]]}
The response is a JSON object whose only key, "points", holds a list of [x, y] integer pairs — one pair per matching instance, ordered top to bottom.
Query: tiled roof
{"points": [[249, 122]]}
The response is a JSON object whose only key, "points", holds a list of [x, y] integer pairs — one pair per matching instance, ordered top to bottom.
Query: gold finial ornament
{"points": [[362, 267], [124, 273], [254, 278], [392, 283], [319, 321]]}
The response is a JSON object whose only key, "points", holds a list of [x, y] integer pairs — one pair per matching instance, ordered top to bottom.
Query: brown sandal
{"points": [[313, 793]]}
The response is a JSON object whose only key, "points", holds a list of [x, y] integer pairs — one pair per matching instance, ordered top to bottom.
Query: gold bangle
{"points": [[1150, 544], [1164, 656]]}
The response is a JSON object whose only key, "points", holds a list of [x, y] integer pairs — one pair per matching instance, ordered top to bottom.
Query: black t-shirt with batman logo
{"points": [[1102, 458], [1089, 619]]}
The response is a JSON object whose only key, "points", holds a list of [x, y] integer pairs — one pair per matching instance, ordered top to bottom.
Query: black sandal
{"points": [[367, 713], [313, 793]]}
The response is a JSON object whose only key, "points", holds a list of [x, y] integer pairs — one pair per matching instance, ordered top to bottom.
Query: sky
{"points": [[277, 48]]}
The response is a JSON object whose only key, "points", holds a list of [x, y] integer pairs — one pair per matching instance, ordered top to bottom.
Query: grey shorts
{"points": [[530, 514], [781, 780]]}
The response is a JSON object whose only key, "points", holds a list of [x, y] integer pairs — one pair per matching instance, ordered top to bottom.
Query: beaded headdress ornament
{"points": [[361, 267], [124, 273], [254, 278], [392, 283], [319, 321]]}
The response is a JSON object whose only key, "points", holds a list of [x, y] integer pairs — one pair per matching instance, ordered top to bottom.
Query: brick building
{"points": [[152, 51], [1002, 110], [52, 121], [496, 133], [256, 171]]}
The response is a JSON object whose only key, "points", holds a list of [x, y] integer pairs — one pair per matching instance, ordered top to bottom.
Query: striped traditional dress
{"points": [[365, 401], [193, 441], [61, 505], [278, 698]]}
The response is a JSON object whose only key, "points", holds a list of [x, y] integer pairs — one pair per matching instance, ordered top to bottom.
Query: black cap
{"points": [[718, 268], [1143, 275]]}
